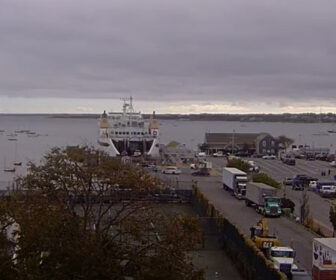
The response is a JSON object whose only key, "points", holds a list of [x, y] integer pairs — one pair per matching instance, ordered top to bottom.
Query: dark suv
{"points": [[289, 161], [301, 181]]}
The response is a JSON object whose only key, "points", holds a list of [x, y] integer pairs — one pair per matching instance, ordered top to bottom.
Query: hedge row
{"points": [[240, 164], [264, 178], [249, 260]]}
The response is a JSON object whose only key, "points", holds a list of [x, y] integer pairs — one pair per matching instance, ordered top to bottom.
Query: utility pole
{"points": [[233, 132]]}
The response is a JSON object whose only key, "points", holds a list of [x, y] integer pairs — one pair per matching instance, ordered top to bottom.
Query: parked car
{"points": [[201, 154], [218, 154], [242, 154], [257, 155], [284, 156], [321, 156], [232, 157], [269, 157], [310, 157], [331, 158], [289, 161], [333, 164], [193, 166], [254, 167], [153, 168], [171, 170], [201, 172], [288, 181], [312, 185], [328, 190]]}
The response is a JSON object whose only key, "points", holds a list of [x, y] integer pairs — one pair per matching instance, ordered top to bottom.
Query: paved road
{"points": [[319, 207], [244, 217]]}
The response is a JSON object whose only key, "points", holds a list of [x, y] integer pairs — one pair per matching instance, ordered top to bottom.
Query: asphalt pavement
{"points": [[319, 206], [289, 232]]}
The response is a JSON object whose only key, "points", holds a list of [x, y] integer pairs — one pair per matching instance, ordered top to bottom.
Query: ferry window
{"points": [[128, 123], [116, 132], [127, 132], [124, 133], [138, 133], [142, 133]]}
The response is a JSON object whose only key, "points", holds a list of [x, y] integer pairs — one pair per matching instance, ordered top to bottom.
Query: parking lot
{"points": [[319, 206], [289, 232]]}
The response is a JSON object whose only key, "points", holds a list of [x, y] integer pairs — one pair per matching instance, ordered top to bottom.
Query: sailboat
{"points": [[332, 130], [321, 133], [16, 163], [8, 169]]}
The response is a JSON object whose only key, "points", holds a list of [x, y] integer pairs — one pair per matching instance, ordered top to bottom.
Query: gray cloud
{"points": [[226, 51]]}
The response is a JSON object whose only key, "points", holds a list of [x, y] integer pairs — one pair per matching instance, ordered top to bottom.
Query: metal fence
{"points": [[249, 260]]}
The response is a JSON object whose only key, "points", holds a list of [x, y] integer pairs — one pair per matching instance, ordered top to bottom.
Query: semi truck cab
{"points": [[235, 180], [241, 186], [272, 206]]}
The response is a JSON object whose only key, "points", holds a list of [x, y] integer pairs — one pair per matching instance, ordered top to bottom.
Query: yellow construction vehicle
{"points": [[261, 238]]}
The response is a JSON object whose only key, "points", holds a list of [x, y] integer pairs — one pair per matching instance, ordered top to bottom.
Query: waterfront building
{"points": [[244, 143]]}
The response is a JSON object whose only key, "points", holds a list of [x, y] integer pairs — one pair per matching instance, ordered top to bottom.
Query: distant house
{"points": [[261, 143]]}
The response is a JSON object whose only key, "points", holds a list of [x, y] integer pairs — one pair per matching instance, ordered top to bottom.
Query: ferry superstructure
{"points": [[128, 133]]}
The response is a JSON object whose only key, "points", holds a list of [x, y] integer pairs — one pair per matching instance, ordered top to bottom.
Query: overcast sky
{"points": [[178, 56]]}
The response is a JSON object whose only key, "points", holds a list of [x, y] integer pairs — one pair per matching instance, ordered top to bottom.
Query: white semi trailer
{"points": [[235, 180]]}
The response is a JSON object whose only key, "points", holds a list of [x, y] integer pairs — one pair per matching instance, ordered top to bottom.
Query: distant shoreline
{"points": [[288, 118]]}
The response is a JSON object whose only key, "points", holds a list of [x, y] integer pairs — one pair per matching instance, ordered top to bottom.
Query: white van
{"points": [[171, 170]]}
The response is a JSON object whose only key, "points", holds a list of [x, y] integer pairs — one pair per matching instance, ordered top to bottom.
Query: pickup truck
{"points": [[218, 154]]}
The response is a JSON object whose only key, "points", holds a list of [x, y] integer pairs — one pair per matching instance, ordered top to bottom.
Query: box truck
{"points": [[235, 180], [263, 198]]}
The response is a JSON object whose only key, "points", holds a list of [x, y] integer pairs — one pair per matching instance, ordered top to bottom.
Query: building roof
{"points": [[262, 135], [241, 138], [328, 242]]}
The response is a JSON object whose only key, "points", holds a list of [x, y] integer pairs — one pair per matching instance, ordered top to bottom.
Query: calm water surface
{"points": [[67, 131]]}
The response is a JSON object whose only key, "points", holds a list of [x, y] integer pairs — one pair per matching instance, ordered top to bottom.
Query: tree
{"points": [[284, 141], [288, 203], [304, 209], [83, 215], [332, 217]]}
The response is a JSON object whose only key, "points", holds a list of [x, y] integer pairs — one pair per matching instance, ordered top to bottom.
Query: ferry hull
{"points": [[125, 147]]}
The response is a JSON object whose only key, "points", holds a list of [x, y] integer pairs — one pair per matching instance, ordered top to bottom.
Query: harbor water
{"points": [[36, 135]]}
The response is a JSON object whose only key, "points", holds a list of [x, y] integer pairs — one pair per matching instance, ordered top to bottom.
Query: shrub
{"points": [[240, 164], [264, 178], [287, 203]]}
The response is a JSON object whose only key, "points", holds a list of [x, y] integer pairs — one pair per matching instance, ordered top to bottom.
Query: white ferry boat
{"points": [[127, 133]]}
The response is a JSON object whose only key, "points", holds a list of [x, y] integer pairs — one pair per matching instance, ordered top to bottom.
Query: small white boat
{"points": [[322, 133], [9, 169]]}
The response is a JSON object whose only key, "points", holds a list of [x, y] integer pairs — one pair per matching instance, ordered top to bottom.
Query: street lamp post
{"points": [[233, 132]]}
